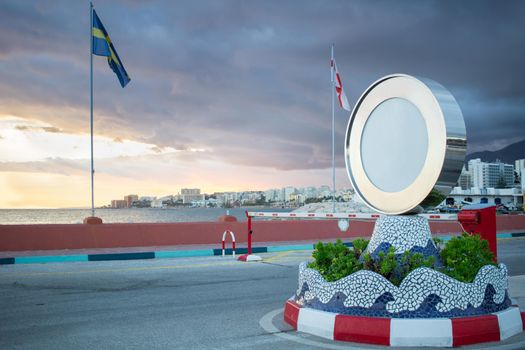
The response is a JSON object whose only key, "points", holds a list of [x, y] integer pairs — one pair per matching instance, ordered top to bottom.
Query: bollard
{"points": [[224, 244]]}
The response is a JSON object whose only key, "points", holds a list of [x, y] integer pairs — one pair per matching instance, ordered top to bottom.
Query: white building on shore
{"points": [[519, 167], [487, 175], [510, 197], [157, 203]]}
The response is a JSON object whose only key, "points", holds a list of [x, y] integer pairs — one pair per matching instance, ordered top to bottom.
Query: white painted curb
{"points": [[316, 322], [509, 322], [421, 332]]}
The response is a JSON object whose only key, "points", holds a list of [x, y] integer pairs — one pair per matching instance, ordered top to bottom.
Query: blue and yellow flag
{"points": [[102, 46]]}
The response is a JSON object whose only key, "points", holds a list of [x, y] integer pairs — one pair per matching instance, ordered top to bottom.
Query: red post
{"points": [[481, 219], [249, 232]]}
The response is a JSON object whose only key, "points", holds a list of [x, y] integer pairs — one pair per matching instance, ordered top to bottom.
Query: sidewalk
{"points": [[153, 252], [159, 252]]}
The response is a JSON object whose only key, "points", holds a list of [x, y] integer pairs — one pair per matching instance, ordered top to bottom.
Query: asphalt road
{"points": [[190, 303]]}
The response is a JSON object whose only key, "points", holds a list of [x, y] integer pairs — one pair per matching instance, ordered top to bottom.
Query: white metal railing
{"points": [[370, 216]]}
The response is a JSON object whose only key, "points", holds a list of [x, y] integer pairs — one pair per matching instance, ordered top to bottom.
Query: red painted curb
{"points": [[242, 257], [291, 313], [360, 329], [486, 329], [403, 332]]}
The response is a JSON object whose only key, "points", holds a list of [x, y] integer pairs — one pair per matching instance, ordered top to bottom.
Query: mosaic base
{"points": [[423, 293]]}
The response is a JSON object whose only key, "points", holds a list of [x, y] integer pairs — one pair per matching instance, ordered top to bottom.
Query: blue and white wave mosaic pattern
{"points": [[403, 232], [423, 293]]}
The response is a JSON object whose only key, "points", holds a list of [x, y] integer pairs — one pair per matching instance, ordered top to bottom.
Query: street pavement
{"points": [[183, 303]]}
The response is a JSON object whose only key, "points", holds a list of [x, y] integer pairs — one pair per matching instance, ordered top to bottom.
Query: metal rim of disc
{"points": [[445, 136]]}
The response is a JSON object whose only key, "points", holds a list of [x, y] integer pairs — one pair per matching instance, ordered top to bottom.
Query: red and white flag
{"points": [[341, 96]]}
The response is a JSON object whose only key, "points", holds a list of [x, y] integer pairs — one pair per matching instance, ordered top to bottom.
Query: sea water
{"points": [[131, 215]]}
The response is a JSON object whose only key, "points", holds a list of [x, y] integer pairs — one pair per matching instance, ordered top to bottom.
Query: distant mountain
{"points": [[506, 155]]}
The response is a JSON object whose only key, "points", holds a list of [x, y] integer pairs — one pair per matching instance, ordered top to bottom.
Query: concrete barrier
{"points": [[79, 236]]}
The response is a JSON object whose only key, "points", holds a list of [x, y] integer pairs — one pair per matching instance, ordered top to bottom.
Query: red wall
{"points": [[79, 236]]}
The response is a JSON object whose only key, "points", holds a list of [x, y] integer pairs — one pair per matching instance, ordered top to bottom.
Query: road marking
{"points": [[277, 257], [120, 270]]}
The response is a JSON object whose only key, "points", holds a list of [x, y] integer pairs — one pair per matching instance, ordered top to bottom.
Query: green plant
{"points": [[434, 198], [437, 242], [359, 246], [463, 256], [335, 260], [409, 262], [384, 264], [343, 266]]}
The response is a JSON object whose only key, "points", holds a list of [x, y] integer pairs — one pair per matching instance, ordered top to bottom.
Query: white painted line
{"points": [[316, 322], [509, 322], [421, 332]]}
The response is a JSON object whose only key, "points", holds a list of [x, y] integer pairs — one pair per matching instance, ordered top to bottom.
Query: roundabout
{"points": [[405, 138], [272, 324], [442, 332]]}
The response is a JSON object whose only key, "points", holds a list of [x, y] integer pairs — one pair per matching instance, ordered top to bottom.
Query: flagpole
{"points": [[91, 103], [333, 126]]}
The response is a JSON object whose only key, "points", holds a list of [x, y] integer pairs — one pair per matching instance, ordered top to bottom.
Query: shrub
{"points": [[433, 198], [359, 246], [463, 256], [335, 261], [410, 262], [384, 264], [342, 266], [395, 268]]}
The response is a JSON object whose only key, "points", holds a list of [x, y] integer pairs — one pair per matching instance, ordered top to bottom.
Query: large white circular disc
{"points": [[397, 123], [405, 136]]}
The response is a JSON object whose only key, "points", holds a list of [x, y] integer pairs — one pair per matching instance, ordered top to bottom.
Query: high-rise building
{"points": [[519, 166], [490, 175], [465, 179], [189, 191], [287, 192], [310, 192], [190, 195], [270, 195], [130, 198], [118, 203]]}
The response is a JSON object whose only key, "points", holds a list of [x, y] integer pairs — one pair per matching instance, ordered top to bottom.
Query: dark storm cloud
{"points": [[249, 80]]}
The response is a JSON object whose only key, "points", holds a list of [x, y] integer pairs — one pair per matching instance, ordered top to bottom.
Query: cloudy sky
{"points": [[230, 95]]}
